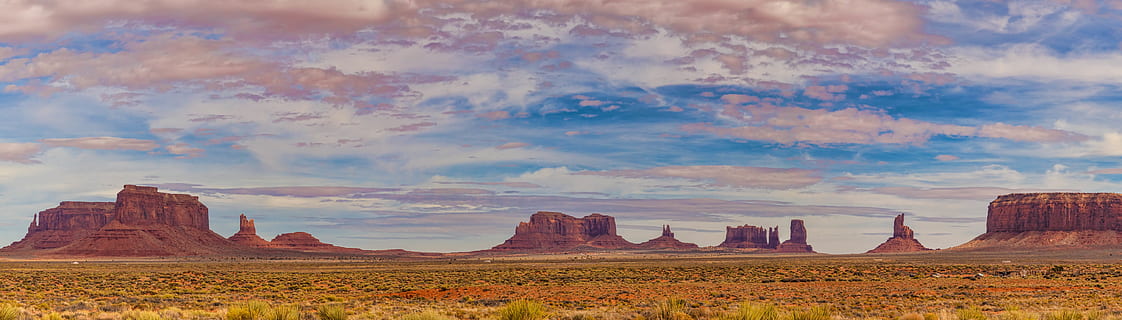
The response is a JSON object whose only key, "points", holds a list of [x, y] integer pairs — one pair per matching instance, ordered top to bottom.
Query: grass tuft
{"points": [[522, 310], [9, 312], [331, 312], [753, 312], [814, 313], [971, 313], [141, 315], [427, 315]]}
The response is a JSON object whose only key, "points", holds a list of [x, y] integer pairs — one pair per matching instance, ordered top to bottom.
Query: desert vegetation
{"points": [[712, 288]]}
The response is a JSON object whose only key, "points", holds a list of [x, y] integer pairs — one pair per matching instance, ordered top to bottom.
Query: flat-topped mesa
{"points": [[138, 206], [1020, 212], [1051, 220], [58, 226], [558, 231], [247, 234], [748, 236], [902, 240], [303, 241], [666, 241], [797, 242]]}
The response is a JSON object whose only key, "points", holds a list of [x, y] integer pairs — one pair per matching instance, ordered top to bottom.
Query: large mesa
{"points": [[1040, 220], [547, 231], [747, 236]]}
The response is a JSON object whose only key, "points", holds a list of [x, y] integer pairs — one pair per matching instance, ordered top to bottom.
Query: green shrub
{"points": [[670, 309], [252, 310], [522, 310], [9, 312], [331, 312], [753, 312], [283, 313], [814, 313], [971, 313], [140, 315], [427, 315], [1064, 315], [911, 316]]}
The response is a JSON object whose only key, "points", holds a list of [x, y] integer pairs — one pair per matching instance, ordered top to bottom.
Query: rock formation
{"points": [[1033, 220], [142, 222], [61, 225], [559, 231], [247, 234], [747, 236], [902, 240], [303, 241], [666, 241], [797, 242]]}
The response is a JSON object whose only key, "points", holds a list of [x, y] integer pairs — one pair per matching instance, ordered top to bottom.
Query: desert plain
{"points": [[1046, 284]]}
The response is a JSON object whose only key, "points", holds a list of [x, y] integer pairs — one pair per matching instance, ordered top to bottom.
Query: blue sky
{"points": [[439, 125]]}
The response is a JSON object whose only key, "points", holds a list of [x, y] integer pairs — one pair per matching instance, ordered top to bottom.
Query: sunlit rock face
{"points": [[559, 231]]}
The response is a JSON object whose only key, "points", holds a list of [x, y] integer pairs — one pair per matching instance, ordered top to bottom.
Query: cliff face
{"points": [[1055, 212], [1033, 220], [142, 222], [61, 225], [559, 231], [747, 236], [902, 240], [666, 241], [797, 242]]}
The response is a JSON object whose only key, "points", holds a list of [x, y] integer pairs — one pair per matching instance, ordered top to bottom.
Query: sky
{"points": [[439, 125]]}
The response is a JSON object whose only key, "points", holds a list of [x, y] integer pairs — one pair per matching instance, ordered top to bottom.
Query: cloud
{"points": [[248, 20], [1037, 62], [494, 115], [795, 125], [102, 143], [512, 145], [184, 150], [19, 152], [946, 157], [1106, 171], [726, 176], [522, 185], [282, 191], [961, 193]]}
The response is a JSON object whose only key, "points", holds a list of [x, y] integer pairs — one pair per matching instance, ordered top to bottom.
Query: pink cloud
{"points": [[268, 19], [827, 93], [591, 103], [610, 108], [675, 109], [494, 115], [794, 125], [412, 127], [575, 133], [1028, 134], [102, 143], [512, 145], [184, 151], [19, 152], [946, 157], [1106, 171], [726, 176], [516, 184], [287, 191], [964, 193]]}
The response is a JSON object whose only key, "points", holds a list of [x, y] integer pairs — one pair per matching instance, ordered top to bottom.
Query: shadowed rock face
{"points": [[1055, 212], [1040, 220], [142, 222], [61, 225], [559, 231], [747, 236], [902, 240], [666, 241], [797, 243]]}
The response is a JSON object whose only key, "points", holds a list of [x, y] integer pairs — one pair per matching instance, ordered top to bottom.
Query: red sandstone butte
{"points": [[1037, 220], [142, 222], [548, 231], [247, 234], [747, 236], [902, 240], [303, 241], [666, 241], [797, 242]]}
